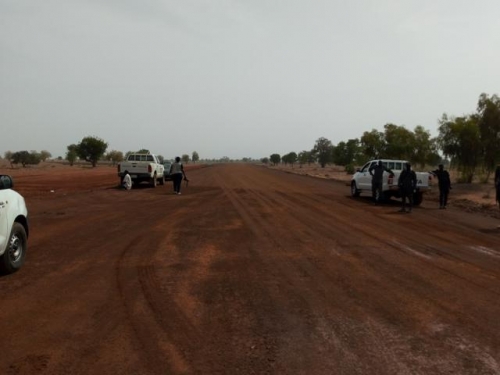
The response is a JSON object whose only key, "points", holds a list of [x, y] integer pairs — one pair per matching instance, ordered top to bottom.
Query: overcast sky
{"points": [[237, 78]]}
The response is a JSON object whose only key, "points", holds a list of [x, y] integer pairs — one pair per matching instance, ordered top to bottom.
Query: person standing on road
{"points": [[177, 173], [377, 173], [407, 184], [444, 185]]}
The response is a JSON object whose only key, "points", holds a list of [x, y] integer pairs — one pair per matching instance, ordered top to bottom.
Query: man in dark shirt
{"points": [[377, 173], [407, 183], [444, 185]]}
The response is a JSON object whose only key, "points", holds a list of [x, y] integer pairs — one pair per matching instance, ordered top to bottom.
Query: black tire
{"points": [[153, 182], [354, 190], [381, 196], [418, 197], [15, 253]]}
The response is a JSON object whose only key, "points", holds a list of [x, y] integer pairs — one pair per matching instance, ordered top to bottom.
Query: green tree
{"points": [[488, 110], [460, 140], [399, 142], [373, 144], [423, 147], [91, 149], [323, 149], [142, 151], [353, 151], [348, 153], [71, 154], [340, 154], [44, 155], [8, 156], [114, 156], [21, 157], [34, 157], [195, 157], [303, 157], [311, 157], [434, 157], [26, 158], [185, 158], [290, 158], [275, 159], [264, 160]]}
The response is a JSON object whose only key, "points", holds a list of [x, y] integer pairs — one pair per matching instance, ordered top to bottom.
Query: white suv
{"points": [[14, 227]]}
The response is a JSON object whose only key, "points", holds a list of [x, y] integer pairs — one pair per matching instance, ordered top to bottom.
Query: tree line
{"points": [[470, 143], [90, 149], [26, 157]]}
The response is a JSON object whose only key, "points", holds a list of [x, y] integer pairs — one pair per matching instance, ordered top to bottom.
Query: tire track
{"points": [[278, 203], [315, 300]]}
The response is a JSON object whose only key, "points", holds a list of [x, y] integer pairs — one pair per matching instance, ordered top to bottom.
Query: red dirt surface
{"points": [[249, 271]]}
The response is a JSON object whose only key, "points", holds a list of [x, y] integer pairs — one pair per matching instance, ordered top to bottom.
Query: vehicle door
{"points": [[398, 168], [160, 169], [365, 178], [388, 182]]}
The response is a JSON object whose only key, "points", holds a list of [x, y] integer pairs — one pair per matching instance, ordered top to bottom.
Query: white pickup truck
{"points": [[142, 167], [361, 181], [13, 227]]}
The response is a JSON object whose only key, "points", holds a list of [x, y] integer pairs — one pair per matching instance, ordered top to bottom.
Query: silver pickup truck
{"points": [[142, 168], [361, 181]]}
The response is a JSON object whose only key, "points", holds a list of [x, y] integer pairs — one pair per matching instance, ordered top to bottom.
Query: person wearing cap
{"points": [[407, 183], [444, 183]]}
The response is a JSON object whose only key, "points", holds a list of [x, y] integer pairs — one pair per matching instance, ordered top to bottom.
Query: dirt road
{"points": [[250, 271]]}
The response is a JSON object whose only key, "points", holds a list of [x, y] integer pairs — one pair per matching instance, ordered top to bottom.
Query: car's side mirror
{"points": [[358, 170], [6, 182]]}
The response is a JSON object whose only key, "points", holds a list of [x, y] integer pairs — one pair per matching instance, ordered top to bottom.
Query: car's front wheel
{"points": [[153, 181], [354, 189], [418, 197], [13, 257]]}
